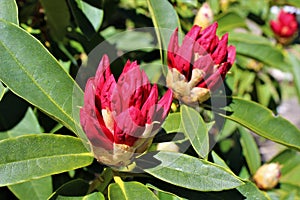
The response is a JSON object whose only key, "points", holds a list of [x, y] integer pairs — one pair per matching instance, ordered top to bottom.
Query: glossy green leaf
{"points": [[189, 2], [287, 2], [214, 5], [259, 8], [9, 11], [93, 14], [58, 17], [81, 19], [165, 20], [229, 21], [133, 40], [259, 48], [295, 63], [153, 70], [41, 81], [266, 89], [2, 90], [262, 121], [172, 123], [28, 125], [195, 129], [227, 130], [250, 150], [35, 156], [218, 160], [290, 166], [187, 171], [76, 187], [35, 189], [249, 189], [129, 190], [251, 192], [285, 192], [164, 195], [93, 196]]}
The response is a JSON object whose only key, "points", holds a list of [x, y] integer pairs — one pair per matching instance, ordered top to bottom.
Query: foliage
{"points": [[45, 49]]}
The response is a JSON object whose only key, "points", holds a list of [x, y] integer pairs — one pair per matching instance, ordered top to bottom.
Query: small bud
{"points": [[204, 17], [285, 28], [167, 146], [267, 176]]}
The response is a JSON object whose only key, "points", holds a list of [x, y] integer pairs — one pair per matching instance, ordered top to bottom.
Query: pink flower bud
{"points": [[285, 27], [199, 65], [121, 118], [267, 176]]}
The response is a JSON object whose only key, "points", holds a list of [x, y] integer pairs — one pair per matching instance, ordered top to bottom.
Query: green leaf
{"points": [[188, 2], [287, 2], [215, 6], [9, 11], [93, 14], [58, 17], [82, 19], [165, 20], [229, 21], [133, 40], [258, 48], [295, 63], [153, 70], [40, 81], [2, 90], [262, 121], [172, 123], [28, 125], [195, 129], [227, 130], [250, 150], [35, 156], [218, 160], [290, 166], [187, 171], [76, 187], [35, 189], [249, 189], [129, 190], [251, 192], [285, 192], [163, 195], [93, 196]]}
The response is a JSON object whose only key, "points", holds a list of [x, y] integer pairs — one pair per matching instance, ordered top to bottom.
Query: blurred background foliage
{"points": [[264, 72]]}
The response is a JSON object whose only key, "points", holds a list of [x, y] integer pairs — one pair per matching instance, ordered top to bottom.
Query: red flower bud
{"points": [[285, 27], [199, 65], [121, 118]]}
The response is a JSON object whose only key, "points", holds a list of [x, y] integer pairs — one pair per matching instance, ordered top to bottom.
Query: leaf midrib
{"points": [[41, 89], [48, 157]]}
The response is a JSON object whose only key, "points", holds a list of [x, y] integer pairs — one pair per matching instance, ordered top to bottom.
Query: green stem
{"points": [[102, 181]]}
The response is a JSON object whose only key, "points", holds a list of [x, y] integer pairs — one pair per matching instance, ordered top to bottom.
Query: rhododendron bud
{"points": [[205, 16], [285, 27], [199, 65], [121, 118], [267, 176]]}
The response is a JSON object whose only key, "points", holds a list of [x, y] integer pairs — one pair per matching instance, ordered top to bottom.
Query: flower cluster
{"points": [[285, 27], [199, 65], [121, 118]]}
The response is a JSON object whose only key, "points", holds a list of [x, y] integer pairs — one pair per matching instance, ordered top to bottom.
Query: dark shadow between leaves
{"points": [[147, 161]]}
